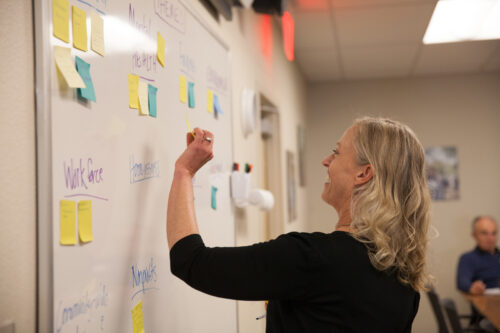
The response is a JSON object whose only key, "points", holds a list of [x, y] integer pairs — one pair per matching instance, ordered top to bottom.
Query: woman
{"points": [[363, 277]]}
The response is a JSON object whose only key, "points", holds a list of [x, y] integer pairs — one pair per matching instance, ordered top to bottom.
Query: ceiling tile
{"points": [[403, 23], [313, 30], [379, 38], [461, 57], [378, 61], [319, 65]]}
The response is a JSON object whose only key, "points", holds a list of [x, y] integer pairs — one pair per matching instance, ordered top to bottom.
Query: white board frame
{"points": [[44, 265]]}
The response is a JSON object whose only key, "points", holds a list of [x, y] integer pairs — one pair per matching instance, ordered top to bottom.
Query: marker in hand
{"points": [[189, 127], [209, 139]]}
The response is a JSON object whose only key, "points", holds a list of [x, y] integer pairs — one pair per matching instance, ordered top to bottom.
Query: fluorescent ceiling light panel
{"points": [[464, 20]]}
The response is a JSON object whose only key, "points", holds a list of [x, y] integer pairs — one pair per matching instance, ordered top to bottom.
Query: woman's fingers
{"points": [[198, 134], [209, 134], [201, 135], [209, 137], [189, 138], [198, 152]]}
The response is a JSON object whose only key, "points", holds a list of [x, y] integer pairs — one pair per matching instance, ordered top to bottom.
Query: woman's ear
{"points": [[364, 175]]}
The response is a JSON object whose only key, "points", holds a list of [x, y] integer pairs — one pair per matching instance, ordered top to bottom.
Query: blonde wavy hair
{"points": [[390, 213]]}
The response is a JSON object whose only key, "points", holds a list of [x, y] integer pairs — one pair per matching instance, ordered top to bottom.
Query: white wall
{"points": [[274, 76], [463, 111], [17, 169]]}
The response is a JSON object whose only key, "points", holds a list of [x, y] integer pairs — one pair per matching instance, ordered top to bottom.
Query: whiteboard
{"points": [[123, 162]]}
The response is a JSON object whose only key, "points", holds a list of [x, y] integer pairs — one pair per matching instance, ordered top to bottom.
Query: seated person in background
{"points": [[480, 268]]}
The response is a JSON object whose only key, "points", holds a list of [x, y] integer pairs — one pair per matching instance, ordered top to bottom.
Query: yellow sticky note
{"points": [[60, 19], [79, 28], [97, 33], [161, 50], [67, 67], [133, 86], [182, 88], [143, 99], [210, 101], [189, 126], [85, 221], [67, 226], [137, 318]]}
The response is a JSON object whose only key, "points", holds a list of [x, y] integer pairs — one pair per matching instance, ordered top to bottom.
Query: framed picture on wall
{"points": [[442, 173], [290, 185]]}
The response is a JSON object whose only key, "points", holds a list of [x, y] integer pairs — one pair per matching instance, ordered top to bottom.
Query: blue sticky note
{"points": [[83, 69], [191, 94], [152, 100], [217, 108], [214, 197]]}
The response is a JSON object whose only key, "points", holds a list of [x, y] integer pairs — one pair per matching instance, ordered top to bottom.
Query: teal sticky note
{"points": [[83, 69], [191, 94], [152, 100], [217, 108], [214, 197]]}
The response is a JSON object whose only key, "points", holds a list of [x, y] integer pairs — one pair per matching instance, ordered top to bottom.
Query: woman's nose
{"points": [[326, 162]]}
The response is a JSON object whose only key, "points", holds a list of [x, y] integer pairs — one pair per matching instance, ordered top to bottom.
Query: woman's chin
{"points": [[324, 195]]}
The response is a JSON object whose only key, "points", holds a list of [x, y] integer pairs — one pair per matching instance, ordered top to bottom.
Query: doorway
{"points": [[271, 162]]}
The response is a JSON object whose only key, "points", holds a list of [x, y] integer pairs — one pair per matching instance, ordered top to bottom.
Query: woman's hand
{"points": [[199, 151]]}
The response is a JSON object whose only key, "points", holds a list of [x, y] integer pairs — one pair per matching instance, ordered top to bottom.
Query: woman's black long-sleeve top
{"points": [[314, 282]]}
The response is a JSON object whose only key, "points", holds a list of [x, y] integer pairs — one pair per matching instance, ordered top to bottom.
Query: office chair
{"points": [[438, 311], [454, 318]]}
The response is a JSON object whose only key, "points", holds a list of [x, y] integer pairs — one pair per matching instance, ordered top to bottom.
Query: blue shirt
{"points": [[478, 265]]}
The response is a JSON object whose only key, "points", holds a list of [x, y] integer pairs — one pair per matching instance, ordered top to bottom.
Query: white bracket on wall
{"points": [[248, 111], [242, 194]]}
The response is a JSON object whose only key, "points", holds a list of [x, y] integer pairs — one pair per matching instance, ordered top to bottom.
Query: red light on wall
{"points": [[288, 27], [266, 36]]}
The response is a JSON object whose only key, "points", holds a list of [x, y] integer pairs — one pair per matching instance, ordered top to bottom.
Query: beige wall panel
{"points": [[17, 169]]}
